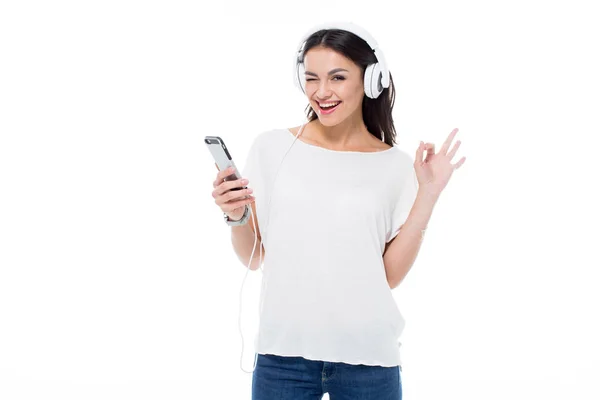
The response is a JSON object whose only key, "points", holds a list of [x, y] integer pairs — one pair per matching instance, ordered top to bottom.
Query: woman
{"points": [[340, 222]]}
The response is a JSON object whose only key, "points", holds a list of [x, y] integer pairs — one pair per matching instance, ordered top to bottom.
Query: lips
{"points": [[333, 105]]}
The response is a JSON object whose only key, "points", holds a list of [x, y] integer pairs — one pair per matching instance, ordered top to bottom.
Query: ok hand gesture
{"points": [[435, 171]]}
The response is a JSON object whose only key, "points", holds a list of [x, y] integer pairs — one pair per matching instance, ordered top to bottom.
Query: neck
{"points": [[352, 132]]}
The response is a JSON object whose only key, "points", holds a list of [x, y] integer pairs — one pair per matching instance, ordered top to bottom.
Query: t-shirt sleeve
{"points": [[251, 168], [253, 171], [405, 199]]}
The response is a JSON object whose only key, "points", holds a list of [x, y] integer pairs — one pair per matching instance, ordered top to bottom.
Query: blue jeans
{"points": [[296, 378]]}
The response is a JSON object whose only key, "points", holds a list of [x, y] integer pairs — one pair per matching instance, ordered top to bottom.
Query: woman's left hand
{"points": [[435, 171]]}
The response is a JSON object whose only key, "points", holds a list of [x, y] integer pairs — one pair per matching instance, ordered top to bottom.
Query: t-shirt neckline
{"points": [[337, 151]]}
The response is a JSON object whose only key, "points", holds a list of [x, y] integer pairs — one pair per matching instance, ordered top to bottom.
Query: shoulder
{"points": [[293, 130], [265, 136], [268, 139], [381, 146], [403, 155], [402, 162]]}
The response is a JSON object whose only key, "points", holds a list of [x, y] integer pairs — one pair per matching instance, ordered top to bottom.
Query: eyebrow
{"points": [[333, 71]]}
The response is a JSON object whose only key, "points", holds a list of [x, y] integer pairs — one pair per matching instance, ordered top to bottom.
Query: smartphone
{"points": [[222, 158]]}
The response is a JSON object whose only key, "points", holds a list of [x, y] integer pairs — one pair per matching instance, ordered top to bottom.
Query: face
{"points": [[331, 79]]}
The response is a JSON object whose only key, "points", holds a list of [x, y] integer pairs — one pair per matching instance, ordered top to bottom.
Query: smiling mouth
{"points": [[329, 106]]}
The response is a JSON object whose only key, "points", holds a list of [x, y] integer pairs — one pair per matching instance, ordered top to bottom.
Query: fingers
{"points": [[448, 141], [429, 148], [454, 149], [419, 153], [461, 162], [225, 173], [222, 175], [230, 186], [231, 196], [234, 198], [232, 205]]}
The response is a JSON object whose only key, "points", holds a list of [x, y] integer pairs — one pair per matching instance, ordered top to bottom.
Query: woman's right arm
{"points": [[233, 203], [242, 238]]}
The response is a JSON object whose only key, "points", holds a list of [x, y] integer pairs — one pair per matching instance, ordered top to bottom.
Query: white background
{"points": [[117, 275]]}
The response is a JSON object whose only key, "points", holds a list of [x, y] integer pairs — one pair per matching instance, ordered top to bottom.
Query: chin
{"points": [[329, 121]]}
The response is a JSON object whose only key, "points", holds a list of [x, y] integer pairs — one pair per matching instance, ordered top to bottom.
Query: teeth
{"points": [[329, 104]]}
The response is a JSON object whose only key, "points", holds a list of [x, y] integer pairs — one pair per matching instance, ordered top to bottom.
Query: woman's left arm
{"points": [[433, 175], [401, 252]]}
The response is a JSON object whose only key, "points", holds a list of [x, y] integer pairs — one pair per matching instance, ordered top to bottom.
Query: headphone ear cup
{"points": [[300, 78], [372, 80]]}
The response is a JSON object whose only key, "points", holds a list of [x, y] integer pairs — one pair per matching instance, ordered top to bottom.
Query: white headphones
{"points": [[377, 75]]}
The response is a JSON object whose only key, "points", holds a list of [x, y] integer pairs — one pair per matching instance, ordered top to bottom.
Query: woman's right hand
{"points": [[232, 202]]}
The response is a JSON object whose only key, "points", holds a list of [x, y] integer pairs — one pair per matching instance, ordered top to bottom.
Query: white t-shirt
{"points": [[324, 293]]}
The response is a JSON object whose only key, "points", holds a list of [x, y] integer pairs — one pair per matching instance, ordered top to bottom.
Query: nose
{"points": [[323, 91]]}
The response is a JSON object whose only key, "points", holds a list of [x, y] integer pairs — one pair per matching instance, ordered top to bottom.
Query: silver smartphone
{"points": [[222, 158]]}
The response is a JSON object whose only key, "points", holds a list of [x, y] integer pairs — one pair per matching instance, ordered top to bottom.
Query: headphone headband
{"points": [[358, 31]]}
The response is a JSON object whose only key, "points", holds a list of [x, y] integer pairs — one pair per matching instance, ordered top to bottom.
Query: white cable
{"points": [[263, 234]]}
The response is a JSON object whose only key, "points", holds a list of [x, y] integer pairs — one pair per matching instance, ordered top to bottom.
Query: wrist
{"points": [[427, 196], [236, 216], [239, 221]]}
